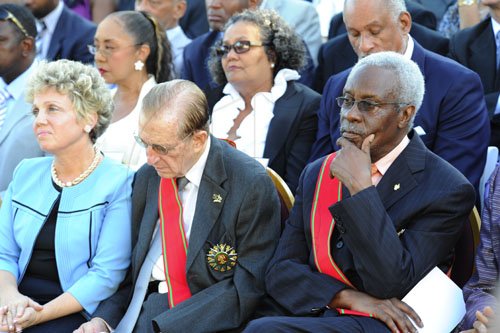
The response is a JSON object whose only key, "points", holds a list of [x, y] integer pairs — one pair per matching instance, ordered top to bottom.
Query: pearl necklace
{"points": [[82, 176]]}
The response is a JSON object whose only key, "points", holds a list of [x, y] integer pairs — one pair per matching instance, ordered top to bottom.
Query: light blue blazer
{"points": [[93, 233]]}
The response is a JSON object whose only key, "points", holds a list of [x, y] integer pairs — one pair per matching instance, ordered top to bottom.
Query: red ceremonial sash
{"points": [[327, 191], [174, 243]]}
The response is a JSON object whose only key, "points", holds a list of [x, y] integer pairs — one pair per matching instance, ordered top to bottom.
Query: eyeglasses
{"points": [[6, 15], [241, 46], [107, 50], [363, 105], [162, 150]]}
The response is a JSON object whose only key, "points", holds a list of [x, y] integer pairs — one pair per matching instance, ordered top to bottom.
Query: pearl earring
{"points": [[138, 65], [272, 65], [87, 128]]}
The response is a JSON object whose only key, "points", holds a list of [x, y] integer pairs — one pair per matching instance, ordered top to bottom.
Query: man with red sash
{"points": [[212, 215], [371, 220]]}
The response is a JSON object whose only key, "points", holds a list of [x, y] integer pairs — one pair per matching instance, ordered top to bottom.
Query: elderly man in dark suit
{"points": [[63, 34], [478, 48], [453, 120], [228, 213], [371, 220]]}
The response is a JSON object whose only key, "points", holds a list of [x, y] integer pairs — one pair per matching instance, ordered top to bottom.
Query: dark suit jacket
{"points": [[419, 15], [194, 22], [70, 39], [475, 48], [337, 54], [196, 56], [453, 114], [292, 130], [429, 210], [247, 219]]}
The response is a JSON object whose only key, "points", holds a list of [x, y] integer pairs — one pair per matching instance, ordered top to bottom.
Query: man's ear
{"points": [[179, 9], [405, 22], [28, 45], [405, 116]]}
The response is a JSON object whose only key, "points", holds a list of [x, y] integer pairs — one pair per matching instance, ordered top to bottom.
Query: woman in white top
{"points": [[131, 52], [259, 105]]}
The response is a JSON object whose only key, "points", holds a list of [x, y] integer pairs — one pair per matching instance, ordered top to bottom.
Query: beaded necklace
{"points": [[82, 176]]}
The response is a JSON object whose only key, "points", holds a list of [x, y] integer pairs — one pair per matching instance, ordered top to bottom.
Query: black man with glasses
{"points": [[17, 62], [453, 120], [211, 210], [370, 220]]}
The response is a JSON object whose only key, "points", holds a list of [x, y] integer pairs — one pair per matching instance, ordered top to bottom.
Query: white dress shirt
{"points": [[178, 41], [252, 133]]}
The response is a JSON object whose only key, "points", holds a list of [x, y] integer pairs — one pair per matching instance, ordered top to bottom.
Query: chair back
{"points": [[284, 193], [465, 250]]}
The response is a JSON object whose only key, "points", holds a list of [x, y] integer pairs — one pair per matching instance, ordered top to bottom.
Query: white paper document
{"points": [[438, 301]]}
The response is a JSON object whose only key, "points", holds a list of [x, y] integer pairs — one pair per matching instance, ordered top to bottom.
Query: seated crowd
{"points": [[137, 140]]}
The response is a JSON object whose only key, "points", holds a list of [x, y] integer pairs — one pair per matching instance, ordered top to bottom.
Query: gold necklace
{"points": [[82, 176]]}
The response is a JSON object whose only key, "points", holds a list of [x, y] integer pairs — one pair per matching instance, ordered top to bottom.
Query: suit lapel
{"points": [[54, 51], [483, 56], [285, 111], [18, 112], [399, 178], [207, 209], [148, 223]]}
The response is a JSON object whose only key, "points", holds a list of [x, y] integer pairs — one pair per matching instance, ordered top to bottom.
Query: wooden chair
{"points": [[286, 197], [465, 250]]}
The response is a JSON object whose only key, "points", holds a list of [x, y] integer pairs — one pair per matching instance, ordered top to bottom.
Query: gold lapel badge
{"points": [[397, 186], [217, 198], [222, 257]]}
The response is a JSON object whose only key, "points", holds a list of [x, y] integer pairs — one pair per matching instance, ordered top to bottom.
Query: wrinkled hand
{"points": [[352, 166], [13, 309], [394, 313], [483, 323], [96, 325]]}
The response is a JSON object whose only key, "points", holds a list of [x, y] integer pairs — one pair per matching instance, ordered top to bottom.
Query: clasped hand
{"points": [[352, 166], [18, 312]]}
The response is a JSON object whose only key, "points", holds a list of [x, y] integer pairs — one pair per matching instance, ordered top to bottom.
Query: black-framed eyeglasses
{"points": [[6, 15], [241, 46], [364, 105], [160, 149]]}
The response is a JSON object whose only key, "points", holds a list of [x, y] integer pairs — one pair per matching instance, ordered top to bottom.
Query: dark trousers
{"points": [[43, 291], [330, 322]]}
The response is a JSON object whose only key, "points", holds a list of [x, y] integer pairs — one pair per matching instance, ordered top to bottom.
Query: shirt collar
{"points": [[51, 18], [496, 28], [174, 32], [409, 48], [17, 87], [385, 162], [196, 172]]}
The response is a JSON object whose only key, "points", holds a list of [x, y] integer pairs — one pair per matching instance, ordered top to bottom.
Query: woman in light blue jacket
{"points": [[65, 236]]}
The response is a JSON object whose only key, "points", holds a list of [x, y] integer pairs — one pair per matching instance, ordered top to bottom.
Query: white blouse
{"points": [[252, 133], [118, 142]]}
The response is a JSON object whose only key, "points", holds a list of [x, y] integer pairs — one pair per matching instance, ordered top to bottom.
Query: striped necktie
{"points": [[42, 29], [4, 97]]}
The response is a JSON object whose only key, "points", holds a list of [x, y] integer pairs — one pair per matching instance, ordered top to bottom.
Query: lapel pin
{"points": [[397, 186], [216, 198]]}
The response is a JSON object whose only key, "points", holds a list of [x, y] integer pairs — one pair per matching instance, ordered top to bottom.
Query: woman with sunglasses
{"points": [[131, 51], [259, 105], [65, 234]]}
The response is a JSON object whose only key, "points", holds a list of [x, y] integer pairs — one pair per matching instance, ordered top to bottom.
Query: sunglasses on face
{"points": [[5, 15], [241, 46], [347, 103]]}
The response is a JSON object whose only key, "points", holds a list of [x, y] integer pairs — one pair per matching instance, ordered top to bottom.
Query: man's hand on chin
{"points": [[352, 166]]}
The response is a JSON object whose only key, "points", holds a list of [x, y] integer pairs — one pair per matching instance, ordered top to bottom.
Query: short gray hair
{"points": [[394, 7], [283, 46], [408, 81], [82, 84], [182, 98]]}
